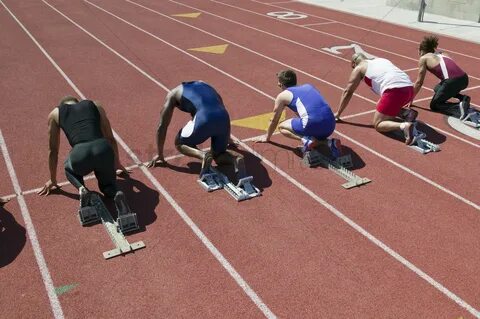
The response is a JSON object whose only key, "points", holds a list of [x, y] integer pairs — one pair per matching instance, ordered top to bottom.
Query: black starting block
{"points": [[339, 166], [214, 180], [88, 215]]}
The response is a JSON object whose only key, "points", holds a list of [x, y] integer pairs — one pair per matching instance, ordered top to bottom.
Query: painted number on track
{"points": [[286, 15], [354, 46]]}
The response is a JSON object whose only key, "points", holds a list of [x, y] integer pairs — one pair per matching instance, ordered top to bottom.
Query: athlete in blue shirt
{"points": [[210, 119], [315, 121]]}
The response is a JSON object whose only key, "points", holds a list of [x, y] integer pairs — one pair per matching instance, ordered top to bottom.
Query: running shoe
{"points": [[464, 106], [307, 144], [335, 146], [206, 163], [84, 196], [121, 204]]}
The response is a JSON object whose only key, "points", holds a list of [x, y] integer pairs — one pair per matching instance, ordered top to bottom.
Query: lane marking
{"points": [[187, 15], [318, 23], [371, 30], [328, 34], [215, 49], [258, 122], [362, 231], [32, 234], [203, 238]]}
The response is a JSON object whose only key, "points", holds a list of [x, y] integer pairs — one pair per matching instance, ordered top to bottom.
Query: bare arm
{"points": [[422, 71], [355, 78], [281, 101], [165, 118], [54, 144], [53, 147]]}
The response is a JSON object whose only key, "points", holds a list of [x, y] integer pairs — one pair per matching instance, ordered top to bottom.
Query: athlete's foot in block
{"points": [[464, 107], [408, 132], [335, 146], [206, 163], [84, 196], [121, 204]]}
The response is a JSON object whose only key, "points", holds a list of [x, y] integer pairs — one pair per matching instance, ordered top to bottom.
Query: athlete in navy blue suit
{"points": [[210, 119]]}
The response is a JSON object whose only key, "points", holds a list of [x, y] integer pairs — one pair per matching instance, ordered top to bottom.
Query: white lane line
{"points": [[318, 23], [371, 30], [325, 33], [32, 234], [203, 238], [373, 239]]}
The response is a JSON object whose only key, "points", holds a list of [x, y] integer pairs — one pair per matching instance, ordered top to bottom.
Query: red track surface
{"points": [[300, 259]]}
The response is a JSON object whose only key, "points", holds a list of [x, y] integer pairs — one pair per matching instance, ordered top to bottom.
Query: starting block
{"points": [[472, 119], [420, 144], [339, 166], [214, 180], [210, 182], [96, 211], [88, 215]]}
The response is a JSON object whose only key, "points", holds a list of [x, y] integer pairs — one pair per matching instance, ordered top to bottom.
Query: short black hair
{"points": [[429, 44], [287, 78], [68, 98]]}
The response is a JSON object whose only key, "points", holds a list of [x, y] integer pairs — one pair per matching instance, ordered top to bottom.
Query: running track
{"points": [[404, 246]]}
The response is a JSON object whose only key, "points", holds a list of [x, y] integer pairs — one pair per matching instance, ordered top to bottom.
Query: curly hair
{"points": [[429, 44], [287, 78]]}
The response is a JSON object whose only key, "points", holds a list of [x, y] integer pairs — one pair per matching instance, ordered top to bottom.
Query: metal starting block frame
{"points": [[472, 119], [420, 144], [339, 166], [215, 180], [210, 182], [88, 215], [114, 229]]}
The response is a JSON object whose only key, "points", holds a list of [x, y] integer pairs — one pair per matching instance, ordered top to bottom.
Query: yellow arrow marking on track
{"points": [[187, 15], [216, 49], [259, 122]]}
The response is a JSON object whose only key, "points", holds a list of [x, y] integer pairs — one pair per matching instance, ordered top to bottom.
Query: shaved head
{"points": [[358, 57]]}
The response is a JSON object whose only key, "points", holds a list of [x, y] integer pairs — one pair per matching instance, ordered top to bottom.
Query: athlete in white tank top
{"points": [[382, 75]]}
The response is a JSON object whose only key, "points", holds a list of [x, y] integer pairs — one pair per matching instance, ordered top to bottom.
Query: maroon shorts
{"points": [[393, 100]]}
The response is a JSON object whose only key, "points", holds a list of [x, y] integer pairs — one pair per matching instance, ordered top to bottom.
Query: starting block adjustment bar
{"points": [[314, 158], [118, 239]]}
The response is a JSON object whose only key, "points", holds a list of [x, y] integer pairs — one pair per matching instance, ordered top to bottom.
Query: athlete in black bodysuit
{"points": [[94, 148]]}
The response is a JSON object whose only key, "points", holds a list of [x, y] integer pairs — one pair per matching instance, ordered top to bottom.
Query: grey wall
{"points": [[459, 9]]}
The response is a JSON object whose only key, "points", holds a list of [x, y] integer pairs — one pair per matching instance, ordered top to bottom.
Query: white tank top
{"points": [[382, 75]]}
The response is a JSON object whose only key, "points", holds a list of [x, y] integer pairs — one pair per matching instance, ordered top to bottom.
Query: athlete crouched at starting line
{"points": [[452, 79], [394, 87], [210, 119], [316, 121], [94, 148]]}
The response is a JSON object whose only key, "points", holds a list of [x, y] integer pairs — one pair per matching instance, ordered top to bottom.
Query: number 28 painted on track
{"points": [[286, 15]]}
